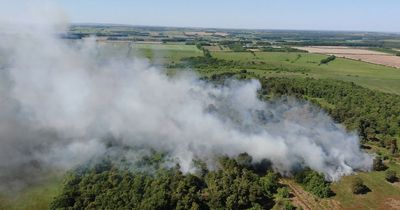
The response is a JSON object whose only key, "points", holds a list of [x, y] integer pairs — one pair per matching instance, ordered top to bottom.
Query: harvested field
{"points": [[198, 33], [356, 54]]}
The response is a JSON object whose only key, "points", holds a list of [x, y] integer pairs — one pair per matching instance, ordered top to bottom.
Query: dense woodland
{"points": [[375, 115], [235, 185]]}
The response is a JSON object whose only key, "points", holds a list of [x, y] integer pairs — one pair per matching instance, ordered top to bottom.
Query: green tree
{"points": [[328, 59], [270, 183], [314, 183], [233, 186]]}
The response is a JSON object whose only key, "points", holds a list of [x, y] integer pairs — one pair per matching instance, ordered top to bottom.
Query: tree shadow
{"points": [[393, 180], [364, 191]]}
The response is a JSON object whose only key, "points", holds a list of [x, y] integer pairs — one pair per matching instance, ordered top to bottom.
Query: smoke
{"points": [[59, 100]]}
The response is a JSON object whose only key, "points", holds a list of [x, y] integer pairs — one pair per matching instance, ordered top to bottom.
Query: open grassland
{"points": [[160, 53], [166, 53], [366, 55], [372, 76], [383, 195], [35, 197]]}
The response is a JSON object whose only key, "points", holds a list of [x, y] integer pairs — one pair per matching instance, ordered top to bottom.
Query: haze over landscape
{"points": [[142, 109]]}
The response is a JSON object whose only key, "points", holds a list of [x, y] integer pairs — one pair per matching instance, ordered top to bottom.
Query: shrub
{"points": [[328, 59], [378, 164], [391, 176], [270, 183], [314, 183], [358, 186], [283, 193], [284, 205]]}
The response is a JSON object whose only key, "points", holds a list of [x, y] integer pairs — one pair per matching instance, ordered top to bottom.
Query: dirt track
{"points": [[308, 201]]}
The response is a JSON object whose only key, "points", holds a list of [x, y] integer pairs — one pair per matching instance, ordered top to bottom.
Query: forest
{"points": [[374, 114], [236, 184]]}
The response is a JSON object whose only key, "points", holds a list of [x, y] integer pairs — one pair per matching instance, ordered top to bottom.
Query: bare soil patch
{"points": [[390, 203]]}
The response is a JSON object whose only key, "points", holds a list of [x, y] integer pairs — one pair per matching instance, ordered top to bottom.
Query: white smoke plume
{"points": [[58, 100]]}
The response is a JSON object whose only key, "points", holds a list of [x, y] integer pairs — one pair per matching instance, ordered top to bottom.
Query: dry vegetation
{"points": [[356, 54]]}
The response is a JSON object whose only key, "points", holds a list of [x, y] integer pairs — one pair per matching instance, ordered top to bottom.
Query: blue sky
{"points": [[366, 15]]}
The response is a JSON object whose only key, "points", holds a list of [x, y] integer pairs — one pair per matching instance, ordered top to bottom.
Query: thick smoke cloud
{"points": [[59, 100]]}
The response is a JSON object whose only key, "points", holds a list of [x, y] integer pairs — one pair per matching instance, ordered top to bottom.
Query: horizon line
{"points": [[229, 28]]}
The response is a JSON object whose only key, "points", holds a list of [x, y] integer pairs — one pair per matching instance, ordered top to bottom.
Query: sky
{"points": [[359, 15]]}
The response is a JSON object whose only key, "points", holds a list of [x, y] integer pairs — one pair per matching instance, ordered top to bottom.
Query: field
{"points": [[159, 53], [362, 54], [373, 76], [378, 77], [36, 197]]}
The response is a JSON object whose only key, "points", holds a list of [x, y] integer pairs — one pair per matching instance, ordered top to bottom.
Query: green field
{"points": [[158, 53], [372, 76], [377, 77], [35, 197]]}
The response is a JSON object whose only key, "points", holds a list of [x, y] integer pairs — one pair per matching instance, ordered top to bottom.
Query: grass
{"points": [[159, 53], [167, 53], [378, 77], [381, 190], [35, 197]]}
